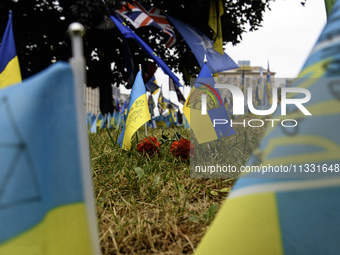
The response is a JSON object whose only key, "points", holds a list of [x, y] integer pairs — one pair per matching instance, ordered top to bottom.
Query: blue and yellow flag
{"points": [[215, 12], [9, 63], [242, 83], [152, 86], [268, 88], [257, 97], [137, 113], [100, 123], [202, 125], [46, 197], [292, 206]]}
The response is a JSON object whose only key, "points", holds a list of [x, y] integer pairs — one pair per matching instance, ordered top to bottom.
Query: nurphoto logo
{"points": [[238, 105]]}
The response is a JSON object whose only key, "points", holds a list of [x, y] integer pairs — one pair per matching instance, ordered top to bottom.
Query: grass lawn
{"points": [[151, 205]]}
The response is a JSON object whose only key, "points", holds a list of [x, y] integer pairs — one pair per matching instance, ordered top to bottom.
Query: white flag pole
{"points": [[76, 32]]}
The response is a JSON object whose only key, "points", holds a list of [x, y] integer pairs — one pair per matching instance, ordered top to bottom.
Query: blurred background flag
{"points": [[9, 63], [242, 83], [152, 86], [269, 87], [260, 88], [179, 94], [265, 99], [163, 103], [124, 108], [137, 113], [202, 125], [93, 128], [46, 195], [292, 212]]}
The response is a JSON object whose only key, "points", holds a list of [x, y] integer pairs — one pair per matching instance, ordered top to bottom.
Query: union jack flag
{"points": [[139, 15]]}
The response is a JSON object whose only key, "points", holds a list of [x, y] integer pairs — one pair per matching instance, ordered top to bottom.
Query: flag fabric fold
{"points": [[215, 12], [143, 15], [136, 16], [201, 45], [9, 63], [152, 86], [269, 87], [243, 88], [260, 90], [179, 94], [164, 103], [151, 104], [137, 113], [202, 125], [43, 195], [293, 211]]}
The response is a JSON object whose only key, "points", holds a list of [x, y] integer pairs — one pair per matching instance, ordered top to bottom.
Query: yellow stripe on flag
{"points": [[216, 25], [11, 74], [269, 93], [138, 115], [202, 126], [244, 225], [64, 231]]}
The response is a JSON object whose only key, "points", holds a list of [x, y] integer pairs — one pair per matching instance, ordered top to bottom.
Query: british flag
{"points": [[141, 15]]}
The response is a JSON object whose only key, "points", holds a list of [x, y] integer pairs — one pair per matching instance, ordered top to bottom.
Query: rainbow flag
{"points": [[9, 63], [202, 125], [46, 195], [294, 210]]}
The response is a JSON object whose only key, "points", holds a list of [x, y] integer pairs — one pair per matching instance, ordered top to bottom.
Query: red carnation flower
{"points": [[146, 147], [181, 148]]}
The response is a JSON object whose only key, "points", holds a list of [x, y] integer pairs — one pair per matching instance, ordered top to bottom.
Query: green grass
{"points": [[151, 205]]}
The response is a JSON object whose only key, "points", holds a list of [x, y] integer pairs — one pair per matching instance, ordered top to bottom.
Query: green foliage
{"points": [[40, 31], [206, 217]]}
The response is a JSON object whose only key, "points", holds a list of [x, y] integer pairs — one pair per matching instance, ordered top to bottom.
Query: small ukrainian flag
{"points": [[9, 63]]}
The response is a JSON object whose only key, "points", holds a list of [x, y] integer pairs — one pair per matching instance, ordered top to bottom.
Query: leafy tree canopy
{"points": [[40, 29]]}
